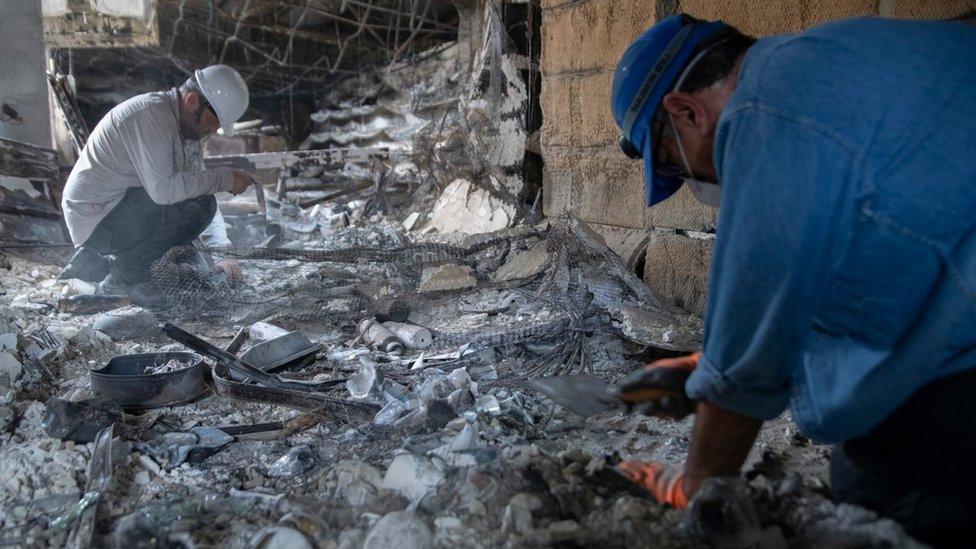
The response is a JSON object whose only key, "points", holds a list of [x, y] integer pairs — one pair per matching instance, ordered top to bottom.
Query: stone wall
{"points": [[587, 175]]}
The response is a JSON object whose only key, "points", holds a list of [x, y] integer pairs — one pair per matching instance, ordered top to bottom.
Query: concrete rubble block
{"points": [[465, 208], [411, 221], [629, 244], [524, 265], [676, 268], [449, 276], [74, 286], [127, 323], [651, 328], [65, 330], [8, 341], [10, 367], [390, 413], [467, 439], [412, 475], [356, 482], [529, 501], [516, 520], [448, 523], [400, 529], [563, 530], [279, 537], [351, 539]]}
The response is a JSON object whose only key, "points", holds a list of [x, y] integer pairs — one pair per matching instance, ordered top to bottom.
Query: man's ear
{"points": [[192, 99], [687, 112]]}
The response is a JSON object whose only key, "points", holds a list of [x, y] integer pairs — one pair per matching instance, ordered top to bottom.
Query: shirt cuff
{"points": [[225, 182], [707, 382]]}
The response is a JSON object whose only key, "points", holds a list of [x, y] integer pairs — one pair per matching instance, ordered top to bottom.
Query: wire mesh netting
{"points": [[576, 294]]}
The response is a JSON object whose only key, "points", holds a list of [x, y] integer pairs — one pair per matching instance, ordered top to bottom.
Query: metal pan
{"points": [[292, 350], [122, 380]]}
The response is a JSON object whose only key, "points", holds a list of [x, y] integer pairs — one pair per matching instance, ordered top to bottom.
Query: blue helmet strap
{"points": [[653, 75]]}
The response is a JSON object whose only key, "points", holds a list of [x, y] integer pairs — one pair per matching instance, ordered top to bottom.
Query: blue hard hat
{"points": [[646, 73]]}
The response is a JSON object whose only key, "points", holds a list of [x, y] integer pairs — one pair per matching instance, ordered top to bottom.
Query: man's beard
{"points": [[192, 130]]}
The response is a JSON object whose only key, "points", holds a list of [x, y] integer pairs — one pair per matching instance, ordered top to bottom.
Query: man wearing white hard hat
{"points": [[139, 187]]}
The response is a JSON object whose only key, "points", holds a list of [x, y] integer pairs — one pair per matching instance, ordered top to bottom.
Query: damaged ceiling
{"points": [[287, 51]]}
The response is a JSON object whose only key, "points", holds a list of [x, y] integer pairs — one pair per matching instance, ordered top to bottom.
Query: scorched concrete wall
{"points": [[587, 175]]}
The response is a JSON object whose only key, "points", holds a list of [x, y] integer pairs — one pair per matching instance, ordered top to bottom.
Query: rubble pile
{"points": [[368, 384], [391, 406]]}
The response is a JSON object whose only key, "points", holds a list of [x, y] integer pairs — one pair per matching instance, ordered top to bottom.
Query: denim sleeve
{"points": [[786, 183]]}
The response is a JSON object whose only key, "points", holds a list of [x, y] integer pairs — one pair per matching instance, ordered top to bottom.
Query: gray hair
{"points": [[722, 50], [190, 85]]}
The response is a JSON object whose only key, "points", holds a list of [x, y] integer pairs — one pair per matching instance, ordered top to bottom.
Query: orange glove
{"points": [[659, 389], [665, 482]]}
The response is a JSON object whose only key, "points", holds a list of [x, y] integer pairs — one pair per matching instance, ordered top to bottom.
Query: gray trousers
{"points": [[139, 231]]}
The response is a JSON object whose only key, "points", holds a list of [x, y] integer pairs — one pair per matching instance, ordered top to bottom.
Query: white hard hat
{"points": [[227, 93]]}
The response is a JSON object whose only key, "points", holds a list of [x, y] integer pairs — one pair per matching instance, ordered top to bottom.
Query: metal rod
{"points": [[337, 194], [37, 245]]}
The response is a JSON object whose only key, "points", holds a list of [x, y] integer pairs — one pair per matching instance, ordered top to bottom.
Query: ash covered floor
{"points": [[376, 442], [446, 446]]}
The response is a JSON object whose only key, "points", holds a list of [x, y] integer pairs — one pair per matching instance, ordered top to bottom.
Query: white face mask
{"points": [[709, 194]]}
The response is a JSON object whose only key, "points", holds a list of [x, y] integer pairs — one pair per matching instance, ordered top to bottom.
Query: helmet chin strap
{"points": [[677, 86], [681, 148]]}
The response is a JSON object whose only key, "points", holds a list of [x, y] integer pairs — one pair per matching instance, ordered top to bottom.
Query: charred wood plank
{"points": [[28, 161]]}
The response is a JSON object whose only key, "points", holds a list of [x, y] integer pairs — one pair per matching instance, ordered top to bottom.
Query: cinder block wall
{"points": [[587, 175]]}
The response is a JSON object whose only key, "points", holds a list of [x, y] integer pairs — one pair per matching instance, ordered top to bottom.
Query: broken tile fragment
{"points": [[525, 264], [449, 276]]}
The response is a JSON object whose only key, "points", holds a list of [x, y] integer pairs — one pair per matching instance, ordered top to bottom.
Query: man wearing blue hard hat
{"points": [[843, 280]]}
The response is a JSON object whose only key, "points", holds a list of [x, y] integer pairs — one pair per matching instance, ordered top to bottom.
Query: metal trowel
{"points": [[589, 395]]}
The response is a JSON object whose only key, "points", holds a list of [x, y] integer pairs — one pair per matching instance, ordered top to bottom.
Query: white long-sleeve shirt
{"points": [[137, 144]]}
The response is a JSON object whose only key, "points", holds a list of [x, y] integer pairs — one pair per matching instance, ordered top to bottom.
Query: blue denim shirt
{"points": [[844, 272]]}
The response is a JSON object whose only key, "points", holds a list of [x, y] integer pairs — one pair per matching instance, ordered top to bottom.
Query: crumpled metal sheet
{"points": [[175, 448]]}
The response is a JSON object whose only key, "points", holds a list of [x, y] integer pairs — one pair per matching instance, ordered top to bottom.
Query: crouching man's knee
{"points": [[200, 212]]}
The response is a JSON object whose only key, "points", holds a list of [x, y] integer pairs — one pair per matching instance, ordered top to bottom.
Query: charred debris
{"points": [[368, 383]]}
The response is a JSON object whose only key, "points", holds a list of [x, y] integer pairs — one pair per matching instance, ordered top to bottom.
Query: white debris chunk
{"points": [[464, 208], [8, 342], [10, 366], [412, 475], [399, 529]]}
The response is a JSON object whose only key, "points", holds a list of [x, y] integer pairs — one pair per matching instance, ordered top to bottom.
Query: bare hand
{"points": [[242, 180], [234, 272]]}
